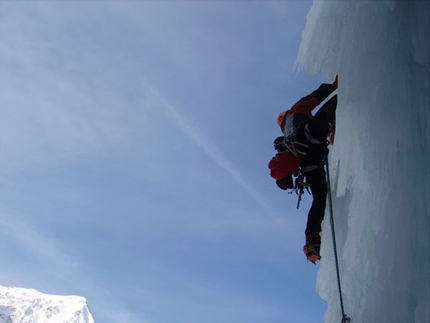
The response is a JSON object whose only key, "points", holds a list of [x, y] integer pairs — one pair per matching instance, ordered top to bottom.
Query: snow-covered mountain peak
{"points": [[30, 306]]}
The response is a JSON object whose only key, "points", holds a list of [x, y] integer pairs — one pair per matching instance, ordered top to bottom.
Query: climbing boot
{"points": [[312, 248]]}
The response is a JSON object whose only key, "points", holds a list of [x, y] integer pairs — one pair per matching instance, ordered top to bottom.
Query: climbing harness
{"points": [[282, 144], [345, 318]]}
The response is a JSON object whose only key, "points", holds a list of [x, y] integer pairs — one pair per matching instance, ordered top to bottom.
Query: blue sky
{"points": [[134, 143]]}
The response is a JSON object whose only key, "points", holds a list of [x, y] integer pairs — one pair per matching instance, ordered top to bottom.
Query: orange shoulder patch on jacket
{"points": [[305, 106]]}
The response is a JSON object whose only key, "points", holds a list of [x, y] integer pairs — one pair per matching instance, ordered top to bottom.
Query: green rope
{"points": [[345, 318]]}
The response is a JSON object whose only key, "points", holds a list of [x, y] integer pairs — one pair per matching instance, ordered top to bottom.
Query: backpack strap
{"points": [[296, 147], [310, 168]]}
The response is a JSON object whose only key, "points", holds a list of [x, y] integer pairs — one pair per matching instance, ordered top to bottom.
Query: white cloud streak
{"points": [[211, 150]]}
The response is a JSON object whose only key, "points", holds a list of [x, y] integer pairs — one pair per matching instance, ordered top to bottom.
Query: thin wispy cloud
{"points": [[211, 150], [38, 244]]}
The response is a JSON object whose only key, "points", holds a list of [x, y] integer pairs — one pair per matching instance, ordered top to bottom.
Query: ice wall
{"points": [[380, 164]]}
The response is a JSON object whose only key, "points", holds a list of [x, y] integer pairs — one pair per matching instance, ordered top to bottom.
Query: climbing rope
{"points": [[345, 318]]}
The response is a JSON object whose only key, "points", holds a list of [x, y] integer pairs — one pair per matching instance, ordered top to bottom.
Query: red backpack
{"points": [[284, 164]]}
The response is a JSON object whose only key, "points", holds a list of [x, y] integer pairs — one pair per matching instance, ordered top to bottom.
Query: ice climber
{"points": [[302, 151]]}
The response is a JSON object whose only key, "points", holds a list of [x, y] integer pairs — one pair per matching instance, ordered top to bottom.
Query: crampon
{"points": [[312, 253]]}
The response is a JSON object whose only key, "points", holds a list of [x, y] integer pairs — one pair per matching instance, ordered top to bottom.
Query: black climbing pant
{"points": [[318, 185]]}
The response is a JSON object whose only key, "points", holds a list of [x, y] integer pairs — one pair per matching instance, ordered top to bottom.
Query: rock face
{"points": [[20, 305]]}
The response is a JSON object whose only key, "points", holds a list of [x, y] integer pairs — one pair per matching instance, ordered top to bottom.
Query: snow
{"points": [[380, 165], [30, 306]]}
